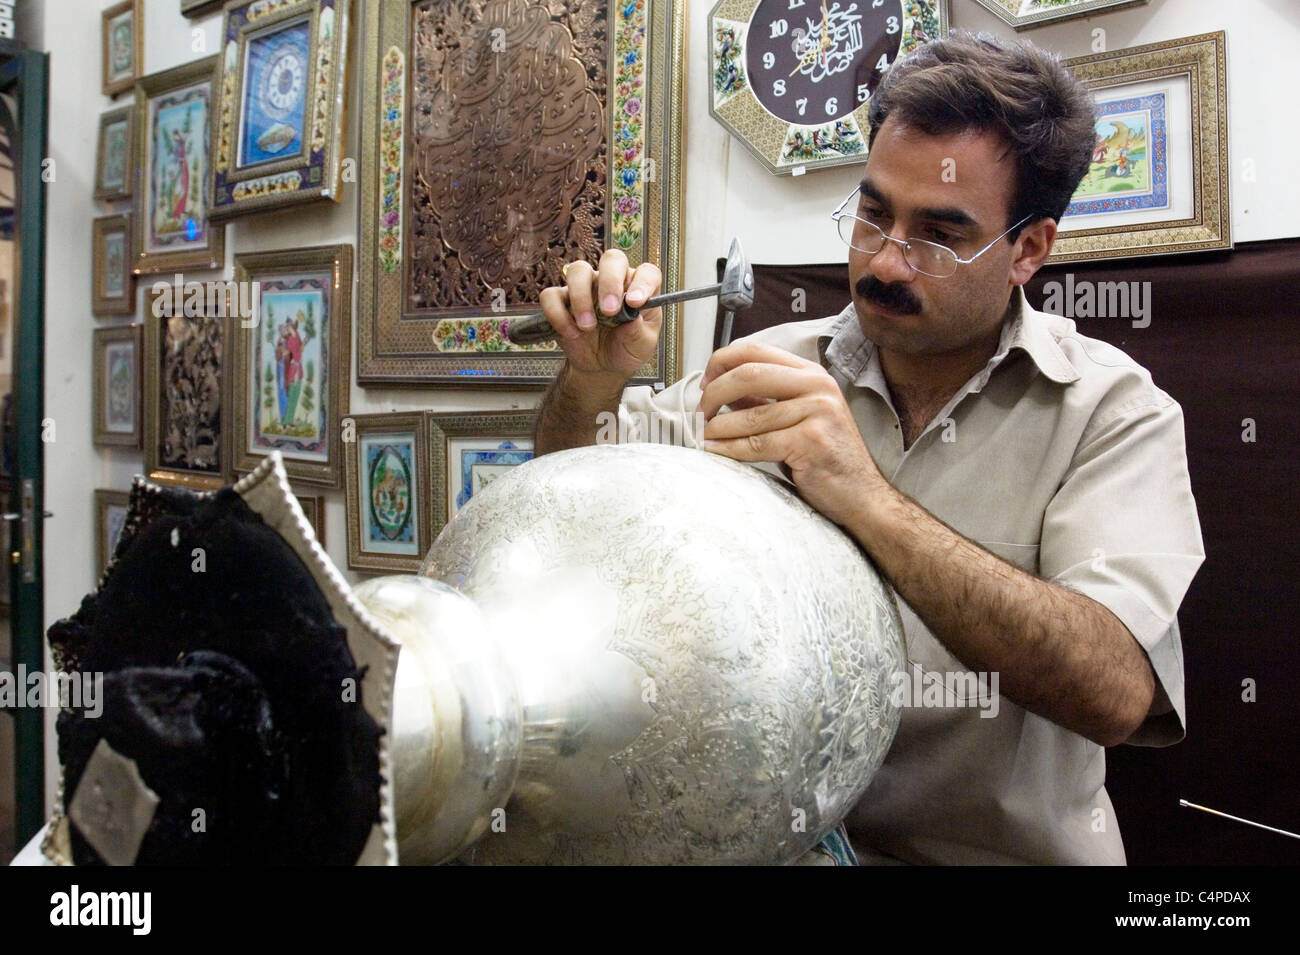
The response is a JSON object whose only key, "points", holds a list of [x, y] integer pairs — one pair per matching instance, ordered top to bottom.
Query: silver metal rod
{"points": [[671, 298], [1259, 825]]}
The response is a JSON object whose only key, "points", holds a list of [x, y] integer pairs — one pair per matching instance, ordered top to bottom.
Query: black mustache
{"points": [[895, 297]]}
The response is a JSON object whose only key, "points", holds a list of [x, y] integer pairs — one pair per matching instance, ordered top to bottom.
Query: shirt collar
{"points": [[851, 357]]}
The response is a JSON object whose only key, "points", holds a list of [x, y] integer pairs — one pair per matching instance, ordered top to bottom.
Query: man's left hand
{"points": [[788, 410]]}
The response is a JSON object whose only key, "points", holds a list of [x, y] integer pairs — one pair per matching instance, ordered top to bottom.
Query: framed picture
{"points": [[1022, 14], [122, 45], [280, 115], [174, 146], [115, 154], [585, 158], [1159, 178], [112, 285], [187, 347], [292, 366], [116, 377], [469, 451], [386, 467], [314, 510], [110, 516]]}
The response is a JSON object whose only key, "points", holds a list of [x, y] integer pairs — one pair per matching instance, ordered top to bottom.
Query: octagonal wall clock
{"points": [[792, 79]]}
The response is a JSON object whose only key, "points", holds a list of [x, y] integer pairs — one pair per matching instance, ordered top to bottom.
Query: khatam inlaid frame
{"points": [[1014, 12], [1202, 61], [772, 140], [312, 172], [212, 255], [254, 267], [160, 303], [394, 348], [412, 422], [493, 425]]}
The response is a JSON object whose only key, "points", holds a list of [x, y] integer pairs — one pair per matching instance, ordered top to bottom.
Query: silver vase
{"points": [[635, 654]]}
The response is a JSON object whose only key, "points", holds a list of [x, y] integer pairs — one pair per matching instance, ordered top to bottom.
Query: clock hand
{"points": [[807, 58]]}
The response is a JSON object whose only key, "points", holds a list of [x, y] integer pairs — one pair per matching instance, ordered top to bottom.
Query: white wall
{"points": [[727, 193]]}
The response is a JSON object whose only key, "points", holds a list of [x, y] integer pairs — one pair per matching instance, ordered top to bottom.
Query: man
{"points": [[1023, 488]]}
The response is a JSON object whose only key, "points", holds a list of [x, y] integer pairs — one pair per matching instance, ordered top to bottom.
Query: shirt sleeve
{"points": [[669, 417], [1123, 530]]}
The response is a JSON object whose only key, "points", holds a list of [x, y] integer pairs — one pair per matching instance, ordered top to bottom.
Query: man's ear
{"points": [[1033, 246]]}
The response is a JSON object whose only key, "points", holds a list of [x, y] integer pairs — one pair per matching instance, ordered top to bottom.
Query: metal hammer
{"points": [[736, 290]]}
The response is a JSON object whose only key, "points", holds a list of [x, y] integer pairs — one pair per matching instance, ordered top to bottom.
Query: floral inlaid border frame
{"points": [[312, 173], [398, 349]]}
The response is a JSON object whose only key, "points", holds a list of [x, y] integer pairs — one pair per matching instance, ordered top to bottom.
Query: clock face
{"points": [[813, 61], [793, 79], [284, 81]]}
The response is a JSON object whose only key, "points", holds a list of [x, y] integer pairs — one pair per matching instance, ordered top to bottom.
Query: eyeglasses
{"points": [[928, 258]]}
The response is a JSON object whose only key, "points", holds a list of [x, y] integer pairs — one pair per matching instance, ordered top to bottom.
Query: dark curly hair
{"points": [[1015, 90]]}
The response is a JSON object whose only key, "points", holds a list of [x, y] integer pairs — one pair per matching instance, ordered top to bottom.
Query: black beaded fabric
{"points": [[229, 683]]}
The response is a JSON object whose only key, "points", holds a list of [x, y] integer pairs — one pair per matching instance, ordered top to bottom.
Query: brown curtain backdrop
{"points": [[1224, 341]]}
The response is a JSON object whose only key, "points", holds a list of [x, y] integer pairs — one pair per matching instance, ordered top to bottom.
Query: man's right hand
{"points": [[590, 349]]}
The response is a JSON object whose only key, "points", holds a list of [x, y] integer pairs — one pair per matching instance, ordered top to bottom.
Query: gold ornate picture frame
{"points": [[1023, 14], [121, 45], [581, 111], [280, 112], [174, 122], [1159, 180], [112, 286], [187, 359], [291, 373], [116, 379], [467, 451], [387, 475]]}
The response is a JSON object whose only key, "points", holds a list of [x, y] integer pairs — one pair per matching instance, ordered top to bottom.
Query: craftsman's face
{"points": [[955, 190]]}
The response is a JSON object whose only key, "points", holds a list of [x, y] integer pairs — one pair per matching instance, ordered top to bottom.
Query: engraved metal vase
{"points": [[635, 654]]}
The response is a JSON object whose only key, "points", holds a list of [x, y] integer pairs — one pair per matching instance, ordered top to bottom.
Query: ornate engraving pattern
{"points": [[507, 155], [390, 160], [190, 396]]}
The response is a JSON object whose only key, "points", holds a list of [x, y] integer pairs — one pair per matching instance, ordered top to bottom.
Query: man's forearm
{"points": [[570, 413], [1057, 653]]}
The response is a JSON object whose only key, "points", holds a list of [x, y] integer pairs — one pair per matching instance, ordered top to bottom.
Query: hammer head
{"points": [[737, 280]]}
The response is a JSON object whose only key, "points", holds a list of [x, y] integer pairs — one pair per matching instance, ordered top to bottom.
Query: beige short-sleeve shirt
{"points": [[1061, 457]]}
